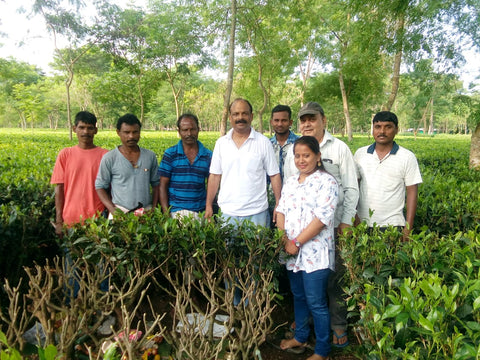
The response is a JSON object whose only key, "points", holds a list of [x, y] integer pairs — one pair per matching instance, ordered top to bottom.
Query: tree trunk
{"points": [[397, 63], [231, 64], [305, 74], [68, 83], [176, 94], [140, 95], [265, 99], [346, 112], [430, 126], [475, 149]]}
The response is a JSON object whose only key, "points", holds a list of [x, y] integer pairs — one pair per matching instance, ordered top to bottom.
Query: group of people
{"points": [[320, 191]]}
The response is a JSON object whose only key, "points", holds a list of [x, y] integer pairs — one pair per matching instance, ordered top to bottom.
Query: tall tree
{"points": [[65, 21], [409, 30], [124, 35], [260, 35], [175, 45], [231, 66], [12, 74]]}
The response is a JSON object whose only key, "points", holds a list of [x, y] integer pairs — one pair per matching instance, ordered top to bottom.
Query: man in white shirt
{"points": [[338, 161], [241, 162], [387, 172]]}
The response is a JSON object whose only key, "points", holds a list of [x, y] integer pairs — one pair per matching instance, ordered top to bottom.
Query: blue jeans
{"points": [[262, 219], [73, 277], [310, 297]]}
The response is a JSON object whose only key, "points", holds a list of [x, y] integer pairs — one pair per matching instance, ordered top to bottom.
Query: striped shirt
{"points": [[186, 190]]}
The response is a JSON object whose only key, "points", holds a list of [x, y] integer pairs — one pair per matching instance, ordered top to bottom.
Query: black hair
{"points": [[240, 99], [280, 108], [187, 116], [385, 116], [86, 117], [128, 119], [312, 144]]}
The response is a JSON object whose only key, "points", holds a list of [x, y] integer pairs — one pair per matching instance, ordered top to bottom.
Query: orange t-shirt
{"points": [[76, 169]]}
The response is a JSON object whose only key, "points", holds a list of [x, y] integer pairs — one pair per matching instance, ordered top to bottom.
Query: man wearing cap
{"points": [[338, 161], [386, 172]]}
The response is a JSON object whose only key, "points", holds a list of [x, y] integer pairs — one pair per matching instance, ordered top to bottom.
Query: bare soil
{"points": [[282, 317]]}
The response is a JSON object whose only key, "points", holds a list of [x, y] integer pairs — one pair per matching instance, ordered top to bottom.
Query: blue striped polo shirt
{"points": [[186, 190]]}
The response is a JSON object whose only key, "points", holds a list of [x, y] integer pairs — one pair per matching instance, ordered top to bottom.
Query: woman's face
{"points": [[305, 159]]}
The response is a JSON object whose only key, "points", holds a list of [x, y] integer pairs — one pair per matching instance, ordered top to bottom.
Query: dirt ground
{"points": [[283, 314]]}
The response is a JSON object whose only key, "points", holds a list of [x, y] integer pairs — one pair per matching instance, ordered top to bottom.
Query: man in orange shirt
{"points": [[74, 176]]}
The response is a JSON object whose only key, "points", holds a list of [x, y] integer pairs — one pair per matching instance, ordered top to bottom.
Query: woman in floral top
{"points": [[306, 213]]}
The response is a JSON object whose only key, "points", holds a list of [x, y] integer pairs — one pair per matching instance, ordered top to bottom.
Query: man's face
{"points": [[240, 116], [281, 122], [313, 125], [188, 131], [85, 132], [384, 132], [129, 135]]}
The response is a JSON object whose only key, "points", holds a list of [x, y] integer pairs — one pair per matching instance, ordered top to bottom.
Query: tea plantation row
{"points": [[415, 300]]}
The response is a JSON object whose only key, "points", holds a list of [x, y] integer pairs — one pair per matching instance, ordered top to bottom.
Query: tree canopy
{"points": [[355, 57]]}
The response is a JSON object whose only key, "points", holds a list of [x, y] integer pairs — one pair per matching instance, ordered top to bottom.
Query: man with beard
{"points": [[281, 122], [241, 162], [128, 171], [183, 171]]}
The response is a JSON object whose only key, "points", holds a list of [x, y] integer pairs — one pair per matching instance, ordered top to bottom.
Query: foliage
{"points": [[149, 60], [382, 270], [414, 300]]}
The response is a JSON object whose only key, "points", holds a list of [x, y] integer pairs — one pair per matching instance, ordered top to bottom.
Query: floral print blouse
{"points": [[300, 204]]}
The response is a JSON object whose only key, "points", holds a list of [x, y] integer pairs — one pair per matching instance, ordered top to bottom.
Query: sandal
{"points": [[338, 337]]}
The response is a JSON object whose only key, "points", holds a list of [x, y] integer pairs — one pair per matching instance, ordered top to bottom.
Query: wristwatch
{"points": [[297, 243]]}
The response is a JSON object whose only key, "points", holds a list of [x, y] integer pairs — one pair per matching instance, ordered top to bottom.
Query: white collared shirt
{"points": [[338, 161], [244, 170], [383, 183]]}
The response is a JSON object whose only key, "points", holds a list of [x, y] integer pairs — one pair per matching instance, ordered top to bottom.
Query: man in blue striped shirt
{"points": [[184, 170]]}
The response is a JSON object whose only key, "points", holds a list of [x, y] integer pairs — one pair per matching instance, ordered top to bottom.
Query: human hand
{"points": [[208, 213], [58, 229], [343, 229], [406, 233], [291, 248]]}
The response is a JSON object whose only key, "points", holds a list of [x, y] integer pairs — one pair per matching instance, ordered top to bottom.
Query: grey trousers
{"points": [[336, 297]]}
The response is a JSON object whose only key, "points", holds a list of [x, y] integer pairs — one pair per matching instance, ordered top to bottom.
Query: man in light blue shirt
{"points": [[281, 122]]}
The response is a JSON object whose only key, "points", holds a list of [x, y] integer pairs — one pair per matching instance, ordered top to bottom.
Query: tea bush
{"points": [[414, 300]]}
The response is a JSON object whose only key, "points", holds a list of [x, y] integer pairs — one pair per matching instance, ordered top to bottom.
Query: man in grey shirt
{"points": [[128, 171]]}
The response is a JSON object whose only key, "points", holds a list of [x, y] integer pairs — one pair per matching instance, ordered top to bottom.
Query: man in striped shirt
{"points": [[184, 170]]}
